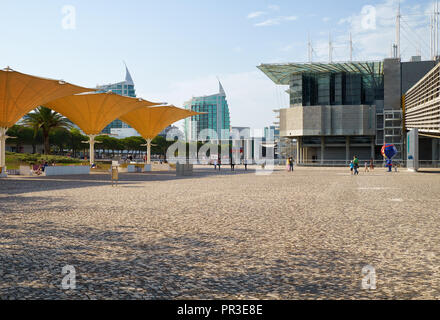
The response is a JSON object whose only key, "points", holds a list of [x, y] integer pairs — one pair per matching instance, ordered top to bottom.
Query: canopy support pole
{"points": [[3, 138], [92, 143], [92, 148], [149, 151]]}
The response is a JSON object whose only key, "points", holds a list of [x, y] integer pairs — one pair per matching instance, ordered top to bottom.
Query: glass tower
{"points": [[124, 88], [216, 121]]}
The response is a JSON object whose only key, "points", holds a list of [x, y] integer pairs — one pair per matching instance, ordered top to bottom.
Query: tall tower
{"points": [[124, 88]]}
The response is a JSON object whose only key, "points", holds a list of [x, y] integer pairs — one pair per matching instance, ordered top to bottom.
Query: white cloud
{"points": [[274, 7], [255, 14], [326, 19], [275, 21], [268, 22], [251, 96]]}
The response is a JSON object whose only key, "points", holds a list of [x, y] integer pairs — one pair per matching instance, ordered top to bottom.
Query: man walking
{"points": [[291, 164], [356, 165]]}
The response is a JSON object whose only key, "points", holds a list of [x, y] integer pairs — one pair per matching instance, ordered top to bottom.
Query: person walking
{"points": [[232, 164], [288, 164], [291, 164], [372, 164], [356, 165], [351, 167], [366, 167]]}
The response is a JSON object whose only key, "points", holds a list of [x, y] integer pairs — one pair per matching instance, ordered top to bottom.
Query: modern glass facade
{"points": [[125, 88], [331, 88], [216, 119]]}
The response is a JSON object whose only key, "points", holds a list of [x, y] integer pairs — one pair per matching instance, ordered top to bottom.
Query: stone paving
{"points": [[301, 235]]}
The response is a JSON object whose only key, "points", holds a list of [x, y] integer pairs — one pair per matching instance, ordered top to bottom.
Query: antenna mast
{"points": [[398, 31], [330, 48], [351, 48], [310, 50]]}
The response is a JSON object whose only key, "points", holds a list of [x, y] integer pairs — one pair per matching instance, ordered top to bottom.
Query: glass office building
{"points": [[124, 88], [339, 88], [216, 121]]}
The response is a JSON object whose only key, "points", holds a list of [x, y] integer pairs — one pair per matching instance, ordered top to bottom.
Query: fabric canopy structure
{"points": [[21, 93], [93, 112], [149, 122]]}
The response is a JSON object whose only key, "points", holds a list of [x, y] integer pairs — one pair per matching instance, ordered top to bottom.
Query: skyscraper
{"points": [[124, 88], [216, 120]]}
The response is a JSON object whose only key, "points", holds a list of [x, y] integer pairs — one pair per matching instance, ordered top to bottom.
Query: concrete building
{"points": [[124, 88], [338, 110], [422, 112], [216, 120]]}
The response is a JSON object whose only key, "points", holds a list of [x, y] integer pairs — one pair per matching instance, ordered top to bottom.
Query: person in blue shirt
{"points": [[351, 166]]}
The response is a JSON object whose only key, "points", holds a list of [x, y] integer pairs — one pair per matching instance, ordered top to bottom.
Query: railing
{"points": [[345, 163]]}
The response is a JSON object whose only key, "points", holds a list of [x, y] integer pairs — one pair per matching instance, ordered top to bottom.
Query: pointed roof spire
{"points": [[128, 77], [221, 90]]}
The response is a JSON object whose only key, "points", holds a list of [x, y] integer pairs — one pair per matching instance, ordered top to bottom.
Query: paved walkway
{"points": [[304, 235]]}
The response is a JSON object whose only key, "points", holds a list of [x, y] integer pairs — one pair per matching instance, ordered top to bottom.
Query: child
{"points": [[351, 167], [366, 167]]}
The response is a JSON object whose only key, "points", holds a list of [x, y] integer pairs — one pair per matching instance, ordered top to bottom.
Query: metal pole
{"points": [[398, 30], [351, 48]]}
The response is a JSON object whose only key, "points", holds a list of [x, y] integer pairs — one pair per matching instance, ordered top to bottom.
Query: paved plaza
{"points": [[301, 235]]}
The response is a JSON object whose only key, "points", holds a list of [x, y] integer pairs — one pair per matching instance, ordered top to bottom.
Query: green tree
{"points": [[47, 120], [24, 136], [60, 137], [75, 141]]}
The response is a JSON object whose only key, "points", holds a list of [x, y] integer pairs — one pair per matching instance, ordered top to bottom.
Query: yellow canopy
{"points": [[20, 93], [92, 112], [149, 122]]}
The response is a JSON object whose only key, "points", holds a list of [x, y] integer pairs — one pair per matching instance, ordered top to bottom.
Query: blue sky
{"points": [[175, 49]]}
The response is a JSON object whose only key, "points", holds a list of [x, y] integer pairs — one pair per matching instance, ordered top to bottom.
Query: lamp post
{"points": [[92, 143]]}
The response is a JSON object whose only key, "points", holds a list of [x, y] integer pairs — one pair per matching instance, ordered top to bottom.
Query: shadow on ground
{"points": [[19, 185], [113, 265]]}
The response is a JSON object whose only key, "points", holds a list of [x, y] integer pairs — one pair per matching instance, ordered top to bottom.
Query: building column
{"points": [[373, 148], [322, 149], [347, 149], [435, 149], [297, 150]]}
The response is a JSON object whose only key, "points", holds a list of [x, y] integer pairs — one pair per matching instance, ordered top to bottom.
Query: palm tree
{"points": [[47, 120]]}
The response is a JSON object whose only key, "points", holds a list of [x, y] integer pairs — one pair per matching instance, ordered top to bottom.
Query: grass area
{"points": [[14, 160]]}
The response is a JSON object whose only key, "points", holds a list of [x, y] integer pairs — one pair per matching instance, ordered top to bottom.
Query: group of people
{"points": [[218, 163], [368, 165], [354, 166], [39, 169]]}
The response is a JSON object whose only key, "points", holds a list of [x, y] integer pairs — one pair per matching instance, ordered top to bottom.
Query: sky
{"points": [[176, 49]]}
